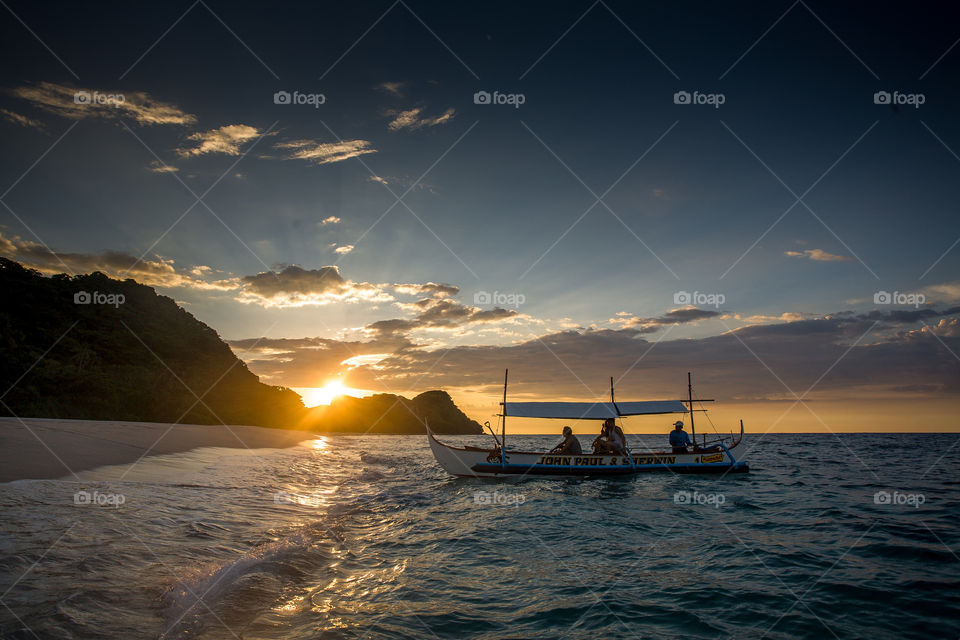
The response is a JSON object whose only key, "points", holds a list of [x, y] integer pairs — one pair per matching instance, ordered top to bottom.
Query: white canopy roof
{"points": [[591, 410]]}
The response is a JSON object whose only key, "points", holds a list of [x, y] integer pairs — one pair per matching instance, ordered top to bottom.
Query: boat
{"points": [[499, 460]]}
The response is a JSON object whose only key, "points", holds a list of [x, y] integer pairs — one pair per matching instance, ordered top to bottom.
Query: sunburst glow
{"points": [[317, 396]]}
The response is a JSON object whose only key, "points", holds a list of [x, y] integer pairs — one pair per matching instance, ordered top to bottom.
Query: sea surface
{"points": [[851, 536]]}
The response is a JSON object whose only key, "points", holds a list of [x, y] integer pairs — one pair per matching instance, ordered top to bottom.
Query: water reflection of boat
{"points": [[703, 457]]}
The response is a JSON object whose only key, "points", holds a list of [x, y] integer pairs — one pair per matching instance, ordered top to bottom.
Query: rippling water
{"points": [[366, 537]]}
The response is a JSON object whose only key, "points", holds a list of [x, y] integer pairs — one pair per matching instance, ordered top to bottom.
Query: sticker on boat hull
{"points": [[714, 457]]}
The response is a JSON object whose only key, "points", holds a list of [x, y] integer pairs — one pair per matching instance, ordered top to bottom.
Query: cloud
{"points": [[395, 88], [79, 103], [411, 119], [22, 120], [227, 140], [324, 152], [158, 167], [378, 179], [330, 220], [345, 249], [817, 255], [155, 271], [295, 286], [436, 290], [947, 292], [438, 313], [676, 316], [788, 316], [902, 316], [945, 328], [799, 352], [307, 362], [733, 365]]}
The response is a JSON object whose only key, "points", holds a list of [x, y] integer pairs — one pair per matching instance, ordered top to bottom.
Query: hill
{"points": [[93, 348], [139, 357], [388, 413]]}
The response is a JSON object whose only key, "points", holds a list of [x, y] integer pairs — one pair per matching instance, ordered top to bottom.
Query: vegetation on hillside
{"points": [[91, 347]]}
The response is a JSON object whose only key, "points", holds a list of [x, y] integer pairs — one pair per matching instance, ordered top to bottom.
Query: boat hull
{"points": [[484, 463]]}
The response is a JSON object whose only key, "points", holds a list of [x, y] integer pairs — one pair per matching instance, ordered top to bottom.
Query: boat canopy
{"points": [[591, 410]]}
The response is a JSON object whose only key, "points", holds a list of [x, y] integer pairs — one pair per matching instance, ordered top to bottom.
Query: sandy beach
{"points": [[36, 448]]}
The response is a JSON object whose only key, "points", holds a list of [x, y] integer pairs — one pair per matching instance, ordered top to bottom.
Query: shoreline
{"points": [[44, 449]]}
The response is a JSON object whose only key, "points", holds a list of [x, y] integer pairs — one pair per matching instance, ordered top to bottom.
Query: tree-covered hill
{"points": [[91, 347], [145, 359]]}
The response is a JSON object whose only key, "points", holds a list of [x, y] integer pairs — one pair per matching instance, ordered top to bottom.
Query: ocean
{"points": [[850, 536]]}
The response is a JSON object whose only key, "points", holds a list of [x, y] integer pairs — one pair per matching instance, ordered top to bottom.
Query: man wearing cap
{"points": [[679, 439], [570, 445]]}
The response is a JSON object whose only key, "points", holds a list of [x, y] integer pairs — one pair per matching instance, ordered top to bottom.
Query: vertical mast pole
{"points": [[613, 401], [503, 431], [693, 431]]}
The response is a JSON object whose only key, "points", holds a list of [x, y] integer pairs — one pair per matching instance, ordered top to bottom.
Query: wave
{"points": [[190, 602]]}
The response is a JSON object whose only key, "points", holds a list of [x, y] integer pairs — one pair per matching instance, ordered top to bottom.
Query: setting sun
{"points": [[313, 396], [316, 396]]}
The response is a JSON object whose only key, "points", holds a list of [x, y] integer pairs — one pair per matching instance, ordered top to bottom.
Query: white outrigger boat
{"points": [[705, 457]]}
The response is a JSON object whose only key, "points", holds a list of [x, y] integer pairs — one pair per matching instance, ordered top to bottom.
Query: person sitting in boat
{"points": [[679, 439], [610, 440], [618, 440], [600, 443], [570, 446]]}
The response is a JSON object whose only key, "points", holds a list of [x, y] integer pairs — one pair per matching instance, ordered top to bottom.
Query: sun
{"points": [[313, 396], [322, 396]]}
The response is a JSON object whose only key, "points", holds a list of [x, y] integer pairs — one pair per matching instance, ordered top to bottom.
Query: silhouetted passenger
{"points": [[679, 439], [570, 446]]}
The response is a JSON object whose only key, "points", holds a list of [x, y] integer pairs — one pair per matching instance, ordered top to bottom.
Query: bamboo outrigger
{"points": [[706, 457]]}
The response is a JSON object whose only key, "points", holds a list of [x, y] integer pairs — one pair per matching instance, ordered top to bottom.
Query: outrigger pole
{"points": [[503, 425], [693, 432]]}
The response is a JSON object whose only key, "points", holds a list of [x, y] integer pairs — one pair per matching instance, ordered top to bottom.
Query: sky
{"points": [[397, 197]]}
